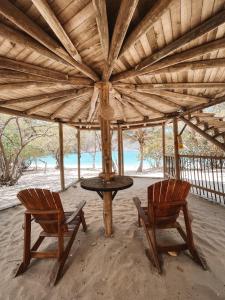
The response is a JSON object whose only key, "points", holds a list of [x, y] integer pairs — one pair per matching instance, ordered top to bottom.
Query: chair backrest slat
{"points": [[167, 191], [42, 199]]}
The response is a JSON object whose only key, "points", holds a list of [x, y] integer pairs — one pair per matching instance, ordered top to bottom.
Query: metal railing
{"points": [[205, 173]]}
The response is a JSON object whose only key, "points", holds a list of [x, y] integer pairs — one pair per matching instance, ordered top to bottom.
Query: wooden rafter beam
{"points": [[126, 11], [21, 20], [53, 22], [146, 23], [102, 24], [191, 35], [18, 37], [172, 60], [7, 63], [192, 66], [22, 77], [32, 85], [172, 85], [77, 95], [178, 96], [46, 97], [139, 99], [135, 102], [93, 103], [59, 109], [80, 111]]}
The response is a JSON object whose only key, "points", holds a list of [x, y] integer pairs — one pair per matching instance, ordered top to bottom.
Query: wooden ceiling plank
{"points": [[126, 11], [21, 20], [53, 22], [146, 23], [102, 24], [198, 31], [172, 60]]}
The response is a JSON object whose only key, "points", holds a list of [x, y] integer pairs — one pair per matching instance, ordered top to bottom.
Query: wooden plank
{"points": [[126, 11], [17, 17], [51, 19], [146, 23], [102, 24], [18, 37], [172, 60], [173, 85], [79, 111]]}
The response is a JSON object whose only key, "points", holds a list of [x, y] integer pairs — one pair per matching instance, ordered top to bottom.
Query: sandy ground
{"points": [[116, 268]]}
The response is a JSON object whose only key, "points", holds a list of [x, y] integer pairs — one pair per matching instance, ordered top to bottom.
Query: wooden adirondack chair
{"points": [[165, 201], [46, 208]]}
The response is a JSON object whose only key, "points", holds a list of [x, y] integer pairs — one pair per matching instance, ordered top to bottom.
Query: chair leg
{"points": [[83, 220], [27, 241], [190, 241], [152, 254], [58, 268]]}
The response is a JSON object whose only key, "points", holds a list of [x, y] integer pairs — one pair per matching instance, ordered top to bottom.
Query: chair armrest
{"points": [[140, 210], [42, 212], [76, 213]]}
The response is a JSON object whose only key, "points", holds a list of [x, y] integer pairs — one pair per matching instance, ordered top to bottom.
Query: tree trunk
{"points": [[140, 168]]}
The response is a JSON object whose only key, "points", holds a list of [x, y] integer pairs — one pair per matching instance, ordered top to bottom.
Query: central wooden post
{"points": [[78, 153], [106, 155], [61, 158]]}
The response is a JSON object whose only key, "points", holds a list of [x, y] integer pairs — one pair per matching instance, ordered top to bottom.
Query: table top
{"points": [[98, 184]]}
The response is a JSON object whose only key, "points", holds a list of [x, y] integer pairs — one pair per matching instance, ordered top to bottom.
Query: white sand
{"points": [[116, 268]]}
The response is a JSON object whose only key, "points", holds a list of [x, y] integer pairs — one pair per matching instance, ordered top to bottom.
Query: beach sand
{"points": [[117, 267]]}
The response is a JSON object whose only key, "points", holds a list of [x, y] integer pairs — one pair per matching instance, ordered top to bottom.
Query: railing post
{"points": [[164, 150], [176, 150], [78, 153], [61, 160]]}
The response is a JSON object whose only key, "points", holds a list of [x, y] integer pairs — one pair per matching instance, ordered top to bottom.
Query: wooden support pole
{"points": [[164, 150], [176, 150], [120, 151], [78, 153], [106, 158], [61, 160]]}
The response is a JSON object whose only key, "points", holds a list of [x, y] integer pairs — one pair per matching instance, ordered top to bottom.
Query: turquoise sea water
{"points": [[131, 160]]}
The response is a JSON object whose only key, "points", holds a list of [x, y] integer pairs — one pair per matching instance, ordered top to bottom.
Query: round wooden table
{"points": [[100, 186], [107, 190]]}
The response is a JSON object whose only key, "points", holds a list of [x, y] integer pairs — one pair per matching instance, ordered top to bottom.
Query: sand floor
{"points": [[117, 267]]}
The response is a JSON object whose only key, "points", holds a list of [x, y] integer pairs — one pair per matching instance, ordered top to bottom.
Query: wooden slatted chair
{"points": [[165, 201], [46, 209]]}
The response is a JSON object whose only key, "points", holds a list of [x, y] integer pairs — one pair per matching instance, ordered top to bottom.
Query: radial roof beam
{"points": [[126, 11], [51, 19], [21, 20], [147, 22], [102, 24], [7, 63], [150, 63], [192, 66], [77, 95], [46, 97], [93, 103], [80, 111]]}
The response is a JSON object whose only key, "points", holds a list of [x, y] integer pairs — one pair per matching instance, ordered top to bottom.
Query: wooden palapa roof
{"points": [[164, 58]]}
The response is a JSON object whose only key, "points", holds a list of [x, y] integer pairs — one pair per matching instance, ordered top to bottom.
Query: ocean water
{"points": [[131, 161]]}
